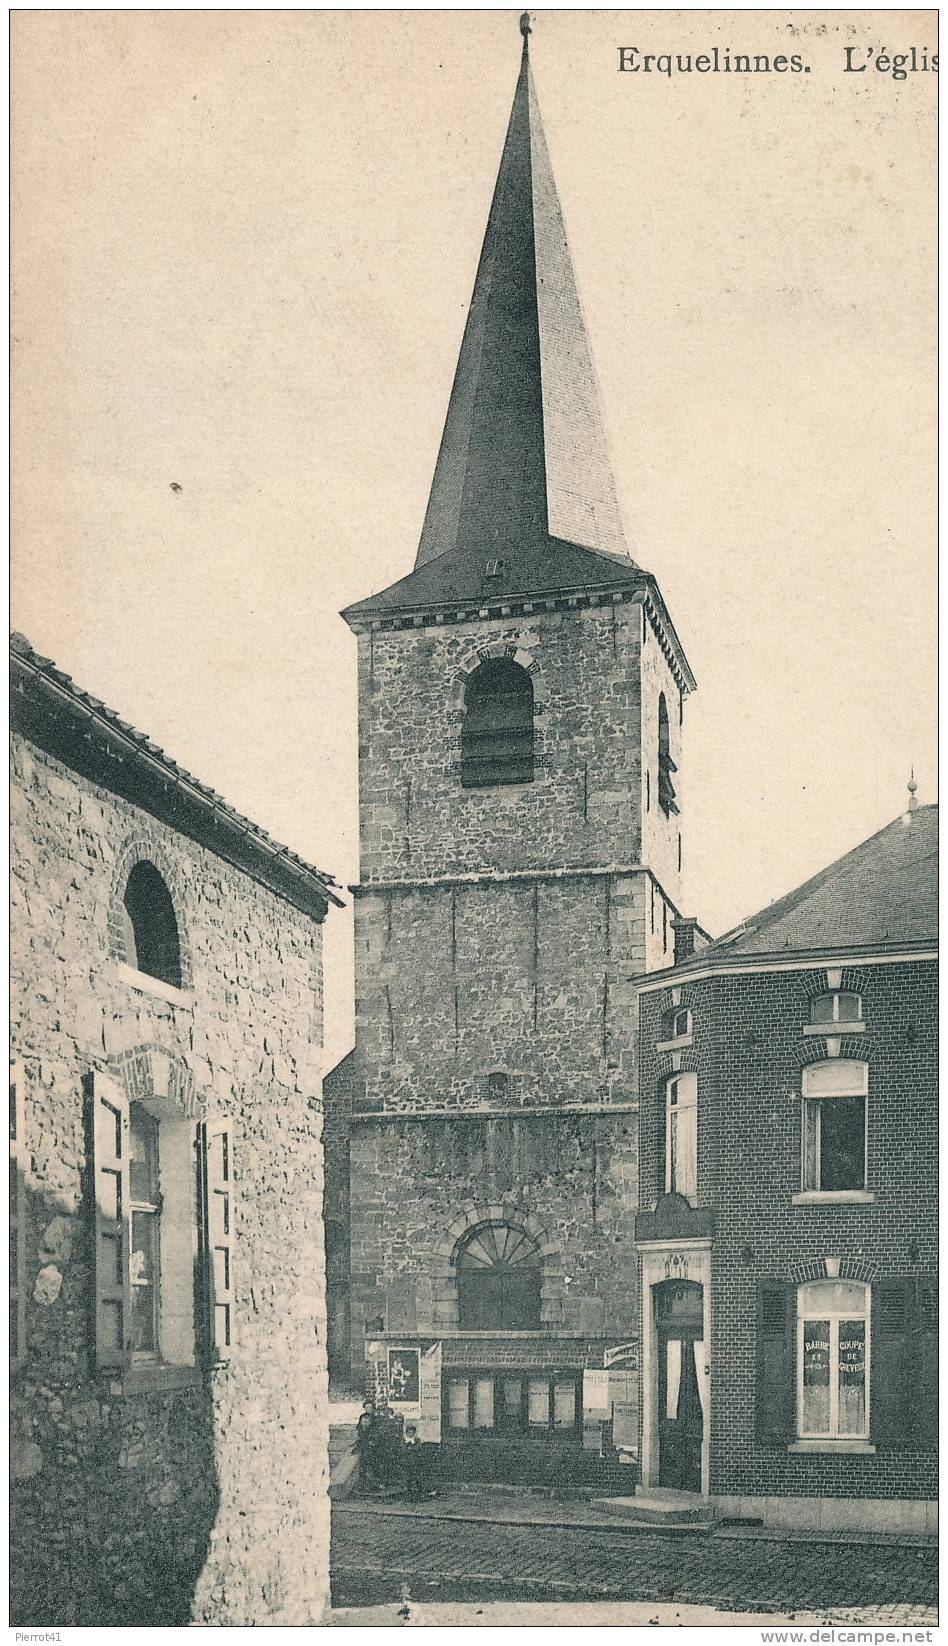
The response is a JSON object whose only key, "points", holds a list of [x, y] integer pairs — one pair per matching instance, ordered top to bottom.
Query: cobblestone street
{"points": [[376, 1555]]}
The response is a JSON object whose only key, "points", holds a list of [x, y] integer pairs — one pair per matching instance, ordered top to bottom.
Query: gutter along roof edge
{"points": [[42, 685]]}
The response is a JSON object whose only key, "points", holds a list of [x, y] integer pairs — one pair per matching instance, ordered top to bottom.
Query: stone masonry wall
{"points": [[583, 806], [531, 979], [749, 1050], [574, 1175], [203, 1500]]}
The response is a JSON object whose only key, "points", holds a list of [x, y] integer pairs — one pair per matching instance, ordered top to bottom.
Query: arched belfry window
{"points": [[497, 735], [666, 765], [151, 930], [499, 1276]]}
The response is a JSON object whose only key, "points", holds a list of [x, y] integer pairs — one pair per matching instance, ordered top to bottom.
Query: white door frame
{"points": [[672, 1260]]}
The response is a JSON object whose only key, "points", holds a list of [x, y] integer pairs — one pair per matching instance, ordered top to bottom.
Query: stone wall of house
{"points": [[749, 1050], [200, 1494]]}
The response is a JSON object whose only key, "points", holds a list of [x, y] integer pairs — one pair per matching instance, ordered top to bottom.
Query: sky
{"points": [[243, 248]]}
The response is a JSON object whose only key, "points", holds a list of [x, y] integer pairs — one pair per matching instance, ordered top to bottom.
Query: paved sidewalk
{"points": [[503, 1507]]}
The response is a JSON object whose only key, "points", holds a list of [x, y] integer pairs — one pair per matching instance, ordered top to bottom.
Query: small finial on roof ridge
{"points": [[525, 29], [913, 790]]}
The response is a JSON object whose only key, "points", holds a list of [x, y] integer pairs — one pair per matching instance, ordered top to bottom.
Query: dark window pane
{"points": [[153, 927], [843, 1143], [144, 1155]]}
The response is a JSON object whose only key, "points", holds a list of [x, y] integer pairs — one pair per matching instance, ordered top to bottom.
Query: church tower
{"points": [[520, 711]]}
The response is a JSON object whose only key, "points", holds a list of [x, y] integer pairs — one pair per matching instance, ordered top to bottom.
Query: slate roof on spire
{"points": [[523, 475]]}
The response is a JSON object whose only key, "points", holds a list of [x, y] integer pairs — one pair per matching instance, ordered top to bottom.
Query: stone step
{"points": [[680, 1511]]}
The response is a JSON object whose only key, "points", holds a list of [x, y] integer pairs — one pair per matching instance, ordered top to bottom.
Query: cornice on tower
{"points": [[523, 506]]}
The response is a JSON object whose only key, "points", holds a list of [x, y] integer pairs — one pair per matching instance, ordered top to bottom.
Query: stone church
{"points": [[521, 699]]}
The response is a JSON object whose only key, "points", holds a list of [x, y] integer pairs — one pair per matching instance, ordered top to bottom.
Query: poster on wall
{"points": [[404, 1380], [595, 1393]]}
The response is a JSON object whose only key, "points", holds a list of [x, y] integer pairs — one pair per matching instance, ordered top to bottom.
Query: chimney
{"points": [[684, 929]]}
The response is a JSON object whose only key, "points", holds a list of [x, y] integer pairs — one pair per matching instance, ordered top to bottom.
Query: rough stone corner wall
{"points": [[206, 1502]]}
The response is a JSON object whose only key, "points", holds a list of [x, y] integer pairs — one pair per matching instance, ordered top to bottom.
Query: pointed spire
{"points": [[523, 460]]}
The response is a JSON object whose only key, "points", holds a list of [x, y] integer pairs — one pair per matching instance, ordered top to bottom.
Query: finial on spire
{"points": [[525, 29], [913, 790]]}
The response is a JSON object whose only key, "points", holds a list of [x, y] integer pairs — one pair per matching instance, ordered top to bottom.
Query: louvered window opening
{"points": [[497, 735], [666, 765], [499, 1275]]}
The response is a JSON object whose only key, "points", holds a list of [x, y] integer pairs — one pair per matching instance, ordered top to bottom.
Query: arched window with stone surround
{"points": [[497, 733], [150, 928], [499, 1276]]}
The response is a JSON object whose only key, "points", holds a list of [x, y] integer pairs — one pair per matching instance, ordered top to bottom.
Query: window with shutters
{"points": [[497, 732], [666, 765], [150, 926], [835, 1097], [681, 1134], [18, 1164], [153, 1212], [499, 1276], [833, 1360]]}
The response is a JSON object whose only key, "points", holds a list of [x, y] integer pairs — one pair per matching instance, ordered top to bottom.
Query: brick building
{"points": [[520, 713], [788, 1135], [168, 1317]]}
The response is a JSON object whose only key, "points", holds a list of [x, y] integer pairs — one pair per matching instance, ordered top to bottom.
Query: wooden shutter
{"points": [[110, 1155], [217, 1157], [17, 1215], [776, 1324], [891, 1368], [926, 1405]]}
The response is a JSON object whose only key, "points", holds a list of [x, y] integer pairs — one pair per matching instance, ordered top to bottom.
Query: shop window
{"points": [[497, 733], [150, 927], [836, 1007], [834, 1126], [681, 1134], [148, 1223], [499, 1276], [833, 1360], [459, 1398], [541, 1405]]}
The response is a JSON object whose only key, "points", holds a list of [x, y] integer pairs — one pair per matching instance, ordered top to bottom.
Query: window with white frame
{"points": [[835, 1007], [676, 1023], [834, 1125], [681, 1134], [149, 1222], [833, 1360]]}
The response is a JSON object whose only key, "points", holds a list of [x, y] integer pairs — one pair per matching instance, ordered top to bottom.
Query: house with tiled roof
{"points": [[788, 1184], [169, 1433]]}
